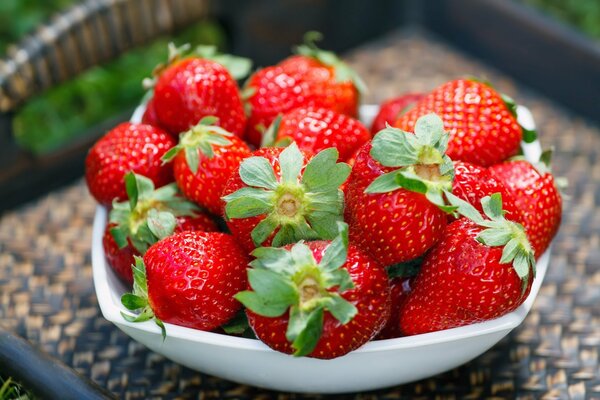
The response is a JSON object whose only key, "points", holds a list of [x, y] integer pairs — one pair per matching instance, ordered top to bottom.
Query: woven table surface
{"points": [[47, 294]]}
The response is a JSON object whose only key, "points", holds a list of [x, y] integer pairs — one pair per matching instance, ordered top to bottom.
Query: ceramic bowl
{"points": [[377, 364]]}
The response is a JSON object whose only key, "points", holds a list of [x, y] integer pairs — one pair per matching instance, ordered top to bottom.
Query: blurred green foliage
{"points": [[584, 14], [52, 119], [10, 390]]}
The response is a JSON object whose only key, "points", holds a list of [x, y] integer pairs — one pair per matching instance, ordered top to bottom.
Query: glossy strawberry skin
{"points": [[298, 81], [193, 88], [391, 109], [151, 118], [315, 129], [482, 129], [127, 147], [472, 183], [206, 185], [537, 196], [392, 227], [242, 228], [121, 260], [192, 278], [461, 282], [399, 290], [370, 295]]}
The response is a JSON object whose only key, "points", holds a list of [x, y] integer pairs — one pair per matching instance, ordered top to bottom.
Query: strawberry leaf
{"points": [[429, 129], [529, 135], [268, 137], [393, 147], [291, 161], [258, 172], [324, 173], [384, 183], [253, 202], [161, 223], [263, 230], [119, 234], [337, 251], [273, 258], [133, 302], [261, 305], [341, 309], [237, 325], [304, 330]]}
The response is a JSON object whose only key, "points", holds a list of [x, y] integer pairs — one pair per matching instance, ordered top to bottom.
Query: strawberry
{"points": [[313, 77], [190, 88], [391, 109], [150, 118], [482, 123], [315, 129], [127, 147], [204, 159], [472, 183], [536, 194], [280, 197], [394, 197], [147, 217], [482, 268], [188, 279], [399, 290], [320, 299]]}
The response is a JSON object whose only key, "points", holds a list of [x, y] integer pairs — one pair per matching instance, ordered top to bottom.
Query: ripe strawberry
{"points": [[313, 77], [193, 87], [391, 109], [150, 118], [481, 122], [315, 129], [127, 147], [204, 159], [472, 183], [536, 195], [280, 197], [394, 197], [147, 217], [482, 268], [188, 279], [319, 299]]}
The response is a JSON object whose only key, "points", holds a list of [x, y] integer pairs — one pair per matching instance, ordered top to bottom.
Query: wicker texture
{"points": [[46, 290]]}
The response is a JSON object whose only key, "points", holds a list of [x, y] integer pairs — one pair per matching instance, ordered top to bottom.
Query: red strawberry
{"points": [[314, 77], [192, 88], [391, 109], [150, 118], [483, 127], [315, 129], [127, 147], [204, 159], [472, 183], [537, 196], [280, 197], [394, 197], [147, 217], [482, 268], [188, 279], [319, 299]]}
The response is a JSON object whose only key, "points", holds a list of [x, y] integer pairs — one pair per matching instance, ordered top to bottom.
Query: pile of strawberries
{"points": [[271, 211]]}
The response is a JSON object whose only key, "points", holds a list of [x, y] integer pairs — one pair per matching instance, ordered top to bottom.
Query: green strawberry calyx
{"points": [[238, 67], [343, 72], [199, 139], [421, 159], [299, 205], [149, 215], [500, 232], [292, 281], [137, 300]]}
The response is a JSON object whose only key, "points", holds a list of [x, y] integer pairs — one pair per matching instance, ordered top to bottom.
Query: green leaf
{"points": [[238, 67], [509, 102], [208, 120], [429, 129], [529, 135], [268, 138], [395, 148], [170, 154], [192, 158], [546, 158], [291, 161], [258, 172], [323, 172], [411, 181], [384, 183], [131, 189], [331, 201], [492, 206], [245, 207], [463, 208], [161, 223], [324, 224], [263, 230], [119, 234], [284, 236], [495, 237], [337, 251], [509, 251], [302, 255], [273, 258], [521, 264], [340, 278], [140, 285], [278, 288], [133, 302], [260, 305], [341, 309], [144, 316], [237, 325], [163, 330], [304, 330]]}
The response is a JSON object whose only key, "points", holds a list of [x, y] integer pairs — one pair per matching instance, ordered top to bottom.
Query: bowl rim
{"points": [[112, 311]]}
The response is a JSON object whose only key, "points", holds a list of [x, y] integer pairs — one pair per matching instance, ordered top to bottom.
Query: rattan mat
{"points": [[47, 295]]}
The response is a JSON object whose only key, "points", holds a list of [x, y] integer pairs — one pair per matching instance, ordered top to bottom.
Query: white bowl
{"points": [[375, 365]]}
